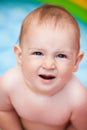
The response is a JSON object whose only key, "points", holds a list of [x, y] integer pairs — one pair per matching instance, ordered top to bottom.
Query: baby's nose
{"points": [[49, 63]]}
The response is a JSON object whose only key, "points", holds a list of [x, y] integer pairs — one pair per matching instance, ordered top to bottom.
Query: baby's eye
{"points": [[38, 53], [61, 56]]}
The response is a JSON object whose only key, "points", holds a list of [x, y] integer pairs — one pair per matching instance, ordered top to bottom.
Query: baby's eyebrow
{"points": [[34, 48], [64, 51]]}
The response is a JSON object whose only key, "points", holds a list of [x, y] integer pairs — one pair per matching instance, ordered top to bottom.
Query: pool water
{"points": [[11, 16]]}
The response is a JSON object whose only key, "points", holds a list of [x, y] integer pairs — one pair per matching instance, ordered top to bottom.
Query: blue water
{"points": [[11, 16]]}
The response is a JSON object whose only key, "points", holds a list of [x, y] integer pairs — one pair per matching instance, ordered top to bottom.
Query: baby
{"points": [[41, 92]]}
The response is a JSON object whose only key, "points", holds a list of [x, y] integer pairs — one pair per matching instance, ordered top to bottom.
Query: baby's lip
{"points": [[47, 77]]}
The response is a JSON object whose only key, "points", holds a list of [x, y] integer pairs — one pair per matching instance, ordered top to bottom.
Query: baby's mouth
{"points": [[47, 77]]}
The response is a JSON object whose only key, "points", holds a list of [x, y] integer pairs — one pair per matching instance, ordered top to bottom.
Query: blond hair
{"points": [[49, 13]]}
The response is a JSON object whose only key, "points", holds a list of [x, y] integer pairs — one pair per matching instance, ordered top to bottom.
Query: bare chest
{"points": [[41, 110]]}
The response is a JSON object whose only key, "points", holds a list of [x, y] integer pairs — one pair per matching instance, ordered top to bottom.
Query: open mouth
{"points": [[47, 77]]}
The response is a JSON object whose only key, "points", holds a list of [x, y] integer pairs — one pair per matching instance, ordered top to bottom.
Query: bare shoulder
{"points": [[9, 77], [7, 81], [77, 90], [77, 94], [78, 102]]}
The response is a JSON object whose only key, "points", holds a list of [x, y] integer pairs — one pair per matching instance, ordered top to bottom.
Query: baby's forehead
{"points": [[62, 25], [64, 29]]}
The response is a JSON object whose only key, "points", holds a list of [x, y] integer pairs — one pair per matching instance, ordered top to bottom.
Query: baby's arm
{"points": [[9, 120]]}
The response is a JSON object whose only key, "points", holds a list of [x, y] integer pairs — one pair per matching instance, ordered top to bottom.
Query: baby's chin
{"points": [[48, 88]]}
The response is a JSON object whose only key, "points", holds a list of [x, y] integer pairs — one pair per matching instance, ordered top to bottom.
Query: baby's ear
{"points": [[18, 52], [78, 60]]}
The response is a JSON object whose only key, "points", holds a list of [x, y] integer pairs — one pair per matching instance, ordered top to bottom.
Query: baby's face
{"points": [[49, 58]]}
